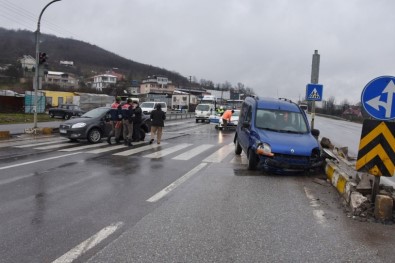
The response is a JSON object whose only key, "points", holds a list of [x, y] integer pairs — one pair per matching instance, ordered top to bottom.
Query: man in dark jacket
{"points": [[127, 112], [136, 119], [116, 120], [157, 123]]}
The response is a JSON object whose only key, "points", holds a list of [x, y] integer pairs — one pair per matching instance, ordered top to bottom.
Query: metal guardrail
{"points": [[179, 115]]}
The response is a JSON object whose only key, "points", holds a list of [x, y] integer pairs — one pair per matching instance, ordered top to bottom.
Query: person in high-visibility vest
{"points": [[226, 117], [116, 120]]}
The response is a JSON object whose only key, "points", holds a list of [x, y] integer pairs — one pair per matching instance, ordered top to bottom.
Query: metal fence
{"points": [[179, 115]]}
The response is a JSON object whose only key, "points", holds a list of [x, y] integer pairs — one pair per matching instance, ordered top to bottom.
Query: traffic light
{"points": [[42, 58]]}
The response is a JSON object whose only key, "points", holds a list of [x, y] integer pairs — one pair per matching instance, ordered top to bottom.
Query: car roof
{"points": [[277, 104]]}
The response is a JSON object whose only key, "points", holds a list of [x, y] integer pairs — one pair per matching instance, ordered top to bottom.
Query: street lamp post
{"points": [[36, 75], [189, 99]]}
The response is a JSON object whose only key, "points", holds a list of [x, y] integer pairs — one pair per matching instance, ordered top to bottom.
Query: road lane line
{"points": [[39, 144], [56, 146], [83, 147], [108, 149], [140, 149], [193, 152], [162, 153], [219, 155], [240, 159], [37, 161], [14, 179], [176, 183], [318, 213], [88, 244]]}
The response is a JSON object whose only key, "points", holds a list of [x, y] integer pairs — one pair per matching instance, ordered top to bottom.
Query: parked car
{"points": [[149, 106], [65, 111], [94, 125], [275, 135]]}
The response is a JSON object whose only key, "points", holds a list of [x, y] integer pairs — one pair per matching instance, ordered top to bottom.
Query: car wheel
{"points": [[51, 115], [66, 116], [197, 121], [94, 135], [237, 148], [252, 160]]}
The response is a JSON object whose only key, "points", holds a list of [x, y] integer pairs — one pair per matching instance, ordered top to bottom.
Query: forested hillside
{"points": [[88, 59]]}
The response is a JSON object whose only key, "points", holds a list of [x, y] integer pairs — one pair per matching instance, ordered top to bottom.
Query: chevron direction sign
{"points": [[377, 148]]}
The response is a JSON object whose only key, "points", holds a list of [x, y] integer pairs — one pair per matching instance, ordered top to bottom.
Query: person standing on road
{"points": [[127, 111], [226, 117], [136, 119], [116, 120], [157, 123]]}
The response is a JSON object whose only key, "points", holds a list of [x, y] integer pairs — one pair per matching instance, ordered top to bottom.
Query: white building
{"points": [[28, 62], [66, 63], [61, 78], [101, 82], [156, 84], [181, 100]]}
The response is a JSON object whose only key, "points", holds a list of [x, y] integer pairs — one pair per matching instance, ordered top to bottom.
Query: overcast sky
{"points": [[265, 44]]}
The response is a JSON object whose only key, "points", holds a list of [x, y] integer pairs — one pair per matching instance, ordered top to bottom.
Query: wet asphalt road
{"points": [[65, 201]]}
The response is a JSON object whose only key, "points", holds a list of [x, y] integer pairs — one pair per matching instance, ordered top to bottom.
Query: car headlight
{"points": [[78, 125], [264, 149]]}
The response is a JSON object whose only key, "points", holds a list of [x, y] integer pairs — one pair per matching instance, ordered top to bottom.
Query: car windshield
{"points": [[147, 105], [203, 107], [95, 113], [236, 113], [281, 121]]}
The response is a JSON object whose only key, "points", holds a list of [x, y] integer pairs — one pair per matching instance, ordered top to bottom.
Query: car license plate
{"points": [[62, 131]]}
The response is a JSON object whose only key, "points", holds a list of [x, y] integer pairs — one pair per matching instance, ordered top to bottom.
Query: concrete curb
{"points": [[339, 179]]}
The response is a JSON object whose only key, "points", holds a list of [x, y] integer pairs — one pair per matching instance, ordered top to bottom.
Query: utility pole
{"points": [[315, 72], [36, 73], [189, 97]]}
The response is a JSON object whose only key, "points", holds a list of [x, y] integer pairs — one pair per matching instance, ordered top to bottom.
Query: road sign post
{"points": [[315, 72], [313, 93], [377, 146]]}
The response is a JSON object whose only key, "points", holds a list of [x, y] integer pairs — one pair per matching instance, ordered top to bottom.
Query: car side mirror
{"points": [[107, 117], [246, 125], [315, 132]]}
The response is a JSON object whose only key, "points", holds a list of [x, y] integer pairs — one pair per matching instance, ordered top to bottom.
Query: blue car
{"points": [[276, 136]]}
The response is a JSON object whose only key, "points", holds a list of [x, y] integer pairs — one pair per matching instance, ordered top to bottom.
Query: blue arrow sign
{"points": [[314, 92], [377, 98]]}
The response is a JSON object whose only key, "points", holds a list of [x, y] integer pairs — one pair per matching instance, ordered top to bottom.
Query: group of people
{"points": [[127, 118]]}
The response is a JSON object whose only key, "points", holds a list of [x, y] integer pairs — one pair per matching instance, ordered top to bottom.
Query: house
{"points": [[28, 62], [62, 79], [102, 81], [156, 84], [181, 100]]}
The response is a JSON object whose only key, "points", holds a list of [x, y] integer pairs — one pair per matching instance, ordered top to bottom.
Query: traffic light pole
{"points": [[36, 75]]}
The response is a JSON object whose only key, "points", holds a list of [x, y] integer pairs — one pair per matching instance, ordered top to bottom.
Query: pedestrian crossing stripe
{"points": [[314, 95], [377, 148], [159, 151]]}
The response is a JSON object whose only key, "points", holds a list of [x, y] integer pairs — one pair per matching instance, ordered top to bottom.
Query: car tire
{"points": [[51, 115], [66, 116], [197, 121], [94, 135], [238, 148], [252, 160]]}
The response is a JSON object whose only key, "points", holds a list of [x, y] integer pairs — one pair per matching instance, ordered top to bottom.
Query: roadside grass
{"points": [[13, 118]]}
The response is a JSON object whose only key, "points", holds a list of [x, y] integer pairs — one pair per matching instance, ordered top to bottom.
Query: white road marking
{"points": [[38, 144], [56, 146], [83, 147], [108, 149], [140, 149], [168, 151], [193, 152], [219, 155], [240, 159], [37, 161], [14, 179], [176, 183], [318, 213], [88, 244]]}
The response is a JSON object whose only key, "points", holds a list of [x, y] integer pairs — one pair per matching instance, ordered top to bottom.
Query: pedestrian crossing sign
{"points": [[314, 92]]}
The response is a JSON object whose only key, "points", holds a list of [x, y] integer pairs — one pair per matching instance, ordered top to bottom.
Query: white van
{"points": [[149, 106], [203, 112]]}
